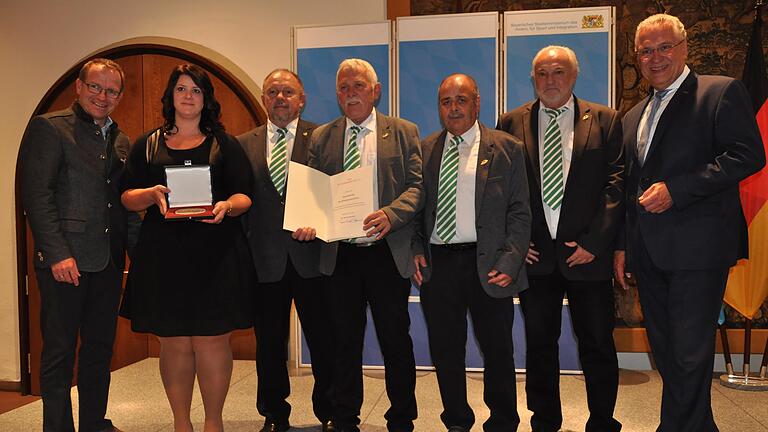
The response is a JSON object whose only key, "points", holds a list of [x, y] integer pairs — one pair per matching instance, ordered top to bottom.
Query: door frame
{"points": [[243, 93]]}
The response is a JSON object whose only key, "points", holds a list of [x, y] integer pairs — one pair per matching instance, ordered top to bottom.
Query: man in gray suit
{"points": [[71, 164], [470, 250], [287, 268], [372, 270]]}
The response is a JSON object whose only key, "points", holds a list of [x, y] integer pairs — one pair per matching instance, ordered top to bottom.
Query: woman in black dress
{"points": [[189, 280]]}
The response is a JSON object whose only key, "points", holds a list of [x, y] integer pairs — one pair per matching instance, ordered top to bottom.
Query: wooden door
{"points": [[147, 69]]}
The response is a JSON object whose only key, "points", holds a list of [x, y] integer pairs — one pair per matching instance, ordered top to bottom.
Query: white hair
{"points": [[568, 52], [358, 65]]}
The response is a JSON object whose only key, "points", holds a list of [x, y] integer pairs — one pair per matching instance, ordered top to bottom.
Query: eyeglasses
{"points": [[662, 49], [97, 89]]}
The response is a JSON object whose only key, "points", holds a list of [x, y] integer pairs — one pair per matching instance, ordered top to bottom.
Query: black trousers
{"points": [[368, 276], [454, 289], [591, 307], [681, 309], [89, 310], [272, 325]]}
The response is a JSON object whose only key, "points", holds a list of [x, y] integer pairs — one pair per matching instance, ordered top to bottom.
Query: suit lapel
{"points": [[679, 100], [582, 125], [531, 138], [384, 143], [335, 145], [299, 152], [484, 162], [432, 169]]}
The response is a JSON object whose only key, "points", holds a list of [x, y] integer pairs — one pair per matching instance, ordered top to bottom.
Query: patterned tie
{"points": [[642, 143], [352, 156], [277, 163], [552, 169], [446, 191]]}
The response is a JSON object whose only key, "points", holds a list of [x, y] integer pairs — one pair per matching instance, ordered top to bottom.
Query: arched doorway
{"points": [[147, 67]]}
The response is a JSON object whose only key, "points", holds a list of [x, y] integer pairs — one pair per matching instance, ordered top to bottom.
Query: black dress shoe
{"points": [[270, 426], [329, 426]]}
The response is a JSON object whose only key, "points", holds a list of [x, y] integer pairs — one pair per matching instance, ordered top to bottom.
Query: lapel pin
{"points": [[585, 117], [305, 133], [385, 134], [483, 162]]}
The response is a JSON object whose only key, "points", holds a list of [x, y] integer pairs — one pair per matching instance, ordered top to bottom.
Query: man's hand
{"points": [[656, 199], [378, 224], [304, 234], [532, 256], [580, 256], [420, 262], [619, 266], [66, 271], [497, 278]]}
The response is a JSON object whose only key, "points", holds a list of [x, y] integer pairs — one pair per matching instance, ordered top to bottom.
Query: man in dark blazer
{"points": [[688, 146], [71, 165], [575, 219], [469, 253], [287, 268], [373, 270]]}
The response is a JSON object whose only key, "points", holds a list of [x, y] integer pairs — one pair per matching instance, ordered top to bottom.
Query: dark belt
{"points": [[362, 245], [456, 246]]}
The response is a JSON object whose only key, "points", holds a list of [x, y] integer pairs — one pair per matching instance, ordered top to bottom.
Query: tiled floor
{"points": [[138, 404]]}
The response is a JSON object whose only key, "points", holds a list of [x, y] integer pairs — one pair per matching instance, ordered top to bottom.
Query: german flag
{"points": [[748, 280]]}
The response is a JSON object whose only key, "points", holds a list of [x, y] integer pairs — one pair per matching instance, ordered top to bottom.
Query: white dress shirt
{"points": [[664, 102], [565, 122], [290, 137], [366, 144], [466, 179]]}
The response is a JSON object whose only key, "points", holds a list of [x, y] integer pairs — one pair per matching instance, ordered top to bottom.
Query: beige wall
{"points": [[39, 41]]}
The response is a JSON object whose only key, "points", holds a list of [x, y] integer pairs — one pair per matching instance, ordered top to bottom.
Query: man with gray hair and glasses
{"points": [[688, 145], [71, 165]]}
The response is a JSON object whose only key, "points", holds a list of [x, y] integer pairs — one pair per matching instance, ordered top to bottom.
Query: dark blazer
{"points": [[705, 142], [398, 163], [70, 187], [593, 199], [502, 212], [270, 244]]}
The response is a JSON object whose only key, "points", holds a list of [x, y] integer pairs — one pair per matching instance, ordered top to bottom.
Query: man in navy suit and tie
{"points": [[688, 146], [575, 165]]}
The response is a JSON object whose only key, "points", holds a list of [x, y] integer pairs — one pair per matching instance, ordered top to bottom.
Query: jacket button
{"points": [[102, 157], [109, 181], [109, 205], [106, 230]]}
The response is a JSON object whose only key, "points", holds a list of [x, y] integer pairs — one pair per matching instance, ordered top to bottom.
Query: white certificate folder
{"points": [[334, 205]]}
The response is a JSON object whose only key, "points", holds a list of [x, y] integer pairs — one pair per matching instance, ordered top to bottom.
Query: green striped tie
{"points": [[352, 156], [277, 162], [552, 169], [446, 191]]}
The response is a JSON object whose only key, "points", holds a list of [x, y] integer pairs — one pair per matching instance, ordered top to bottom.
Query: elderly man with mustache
{"points": [[373, 270]]}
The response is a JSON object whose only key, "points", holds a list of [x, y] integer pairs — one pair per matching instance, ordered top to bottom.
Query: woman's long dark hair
{"points": [[210, 117]]}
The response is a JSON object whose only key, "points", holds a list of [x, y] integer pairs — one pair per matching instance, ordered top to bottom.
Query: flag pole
{"points": [[745, 381]]}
